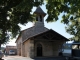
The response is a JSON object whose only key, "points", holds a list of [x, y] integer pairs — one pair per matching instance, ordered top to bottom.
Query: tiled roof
{"points": [[46, 31], [32, 32]]}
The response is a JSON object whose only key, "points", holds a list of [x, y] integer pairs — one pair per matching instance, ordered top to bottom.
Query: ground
{"points": [[15, 58], [38, 58]]}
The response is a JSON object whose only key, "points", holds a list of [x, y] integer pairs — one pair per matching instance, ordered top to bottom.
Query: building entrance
{"points": [[39, 50]]}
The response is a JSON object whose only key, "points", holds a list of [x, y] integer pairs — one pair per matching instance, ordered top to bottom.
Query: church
{"points": [[39, 41]]}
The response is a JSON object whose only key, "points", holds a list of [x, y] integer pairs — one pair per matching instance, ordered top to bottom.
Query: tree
{"points": [[12, 13], [71, 15]]}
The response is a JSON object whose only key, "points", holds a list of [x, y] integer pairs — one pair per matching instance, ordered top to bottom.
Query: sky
{"points": [[56, 26]]}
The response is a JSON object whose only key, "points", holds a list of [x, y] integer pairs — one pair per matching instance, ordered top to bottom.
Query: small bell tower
{"points": [[40, 14]]}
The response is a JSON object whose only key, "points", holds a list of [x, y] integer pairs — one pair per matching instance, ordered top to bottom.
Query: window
{"points": [[40, 18]]}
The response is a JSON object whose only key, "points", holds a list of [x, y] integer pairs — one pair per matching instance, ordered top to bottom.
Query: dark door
{"points": [[39, 50]]}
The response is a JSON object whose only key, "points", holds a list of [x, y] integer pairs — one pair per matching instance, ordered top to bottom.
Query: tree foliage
{"points": [[12, 13], [71, 14]]}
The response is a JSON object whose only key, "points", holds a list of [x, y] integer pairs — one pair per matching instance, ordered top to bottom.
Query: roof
{"points": [[39, 11], [33, 31], [30, 32], [53, 33]]}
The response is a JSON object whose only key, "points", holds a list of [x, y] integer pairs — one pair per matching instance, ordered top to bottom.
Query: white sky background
{"points": [[56, 26]]}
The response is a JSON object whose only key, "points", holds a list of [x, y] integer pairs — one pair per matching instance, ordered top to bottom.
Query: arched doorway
{"points": [[39, 50]]}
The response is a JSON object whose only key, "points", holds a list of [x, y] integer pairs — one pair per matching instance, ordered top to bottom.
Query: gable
{"points": [[49, 35]]}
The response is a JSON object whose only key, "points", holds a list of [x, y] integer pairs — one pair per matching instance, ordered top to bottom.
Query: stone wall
{"points": [[19, 46], [27, 48], [32, 48], [49, 48]]}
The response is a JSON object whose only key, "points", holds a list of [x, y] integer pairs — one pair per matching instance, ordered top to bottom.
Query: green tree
{"points": [[12, 13], [71, 15]]}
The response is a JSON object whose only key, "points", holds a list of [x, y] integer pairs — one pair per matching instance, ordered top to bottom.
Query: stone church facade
{"points": [[39, 41]]}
